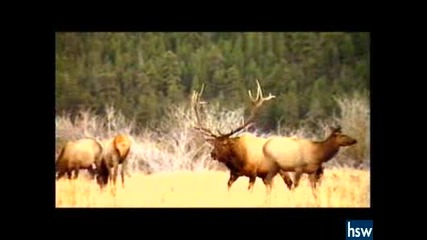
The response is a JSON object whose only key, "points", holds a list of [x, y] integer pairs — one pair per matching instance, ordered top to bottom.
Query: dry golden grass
{"points": [[340, 188]]}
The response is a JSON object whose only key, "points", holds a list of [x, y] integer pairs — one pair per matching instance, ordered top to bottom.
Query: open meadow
{"points": [[341, 187]]}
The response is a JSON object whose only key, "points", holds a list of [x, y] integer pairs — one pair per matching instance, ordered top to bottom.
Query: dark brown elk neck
{"points": [[325, 150], [233, 160], [234, 165]]}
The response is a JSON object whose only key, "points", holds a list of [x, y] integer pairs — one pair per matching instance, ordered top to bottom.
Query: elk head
{"points": [[341, 139], [223, 144]]}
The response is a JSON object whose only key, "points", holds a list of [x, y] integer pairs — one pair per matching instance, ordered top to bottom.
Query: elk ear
{"points": [[336, 129]]}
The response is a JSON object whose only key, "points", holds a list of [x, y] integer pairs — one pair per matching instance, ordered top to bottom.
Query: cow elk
{"points": [[116, 152], [84, 153], [303, 156]]}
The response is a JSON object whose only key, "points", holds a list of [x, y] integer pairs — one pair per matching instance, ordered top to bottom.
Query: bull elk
{"points": [[242, 155], [301, 155]]}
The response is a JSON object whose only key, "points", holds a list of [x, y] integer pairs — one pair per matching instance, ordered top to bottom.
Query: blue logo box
{"points": [[359, 229]]}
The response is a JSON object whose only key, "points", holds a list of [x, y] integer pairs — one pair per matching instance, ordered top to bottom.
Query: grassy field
{"points": [[341, 187]]}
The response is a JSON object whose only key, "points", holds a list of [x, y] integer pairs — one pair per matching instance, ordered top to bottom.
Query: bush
{"points": [[355, 120], [175, 145]]}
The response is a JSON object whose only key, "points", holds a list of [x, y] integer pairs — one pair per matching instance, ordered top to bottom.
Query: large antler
{"points": [[196, 104], [256, 104]]}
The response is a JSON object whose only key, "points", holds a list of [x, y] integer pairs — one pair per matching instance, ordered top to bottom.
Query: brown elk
{"points": [[116, 151], [84, 153], [242, 155], [302, 155]]}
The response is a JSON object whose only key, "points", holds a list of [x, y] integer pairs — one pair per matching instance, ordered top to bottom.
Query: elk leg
{"points": [[92, 172], [76, 173], [102, 173], [115, 173], [122, 173], [69, 174], [60, 175], [108, 175], [319, 175], [102, 177], [297, 177], [113, 178], [286, 178], [313, 178], [231, 180], [252, 180], [268, 180]]}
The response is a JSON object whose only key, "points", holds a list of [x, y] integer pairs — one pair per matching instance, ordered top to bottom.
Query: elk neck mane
{"points": [[234, 154]]}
